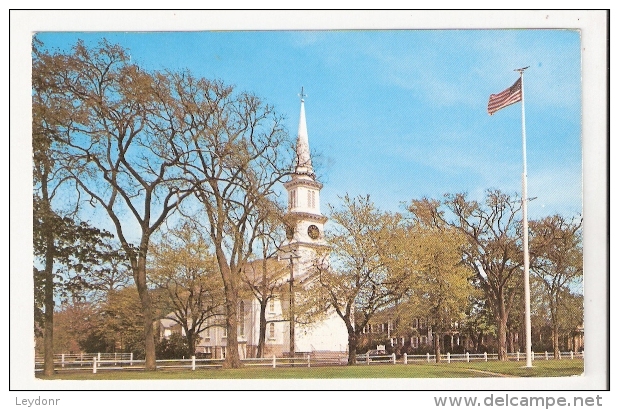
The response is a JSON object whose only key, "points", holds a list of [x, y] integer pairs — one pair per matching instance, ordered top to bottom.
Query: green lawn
{"points": [[550, 368]]}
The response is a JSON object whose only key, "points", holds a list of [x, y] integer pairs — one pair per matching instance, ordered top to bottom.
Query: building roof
{"points": [[275, 268]]}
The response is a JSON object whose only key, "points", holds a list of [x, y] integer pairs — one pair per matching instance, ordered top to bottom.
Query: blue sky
{"points": [[396, 114], [401, 114]]}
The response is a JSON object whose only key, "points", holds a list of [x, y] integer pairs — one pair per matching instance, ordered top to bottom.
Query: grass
{"points": [[541, 368]]}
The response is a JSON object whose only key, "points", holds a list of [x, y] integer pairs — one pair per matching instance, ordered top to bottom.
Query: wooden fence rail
{"points": [[106, 361]]}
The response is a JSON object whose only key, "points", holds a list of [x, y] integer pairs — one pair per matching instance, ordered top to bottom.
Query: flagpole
{"points": [[525, 231]]}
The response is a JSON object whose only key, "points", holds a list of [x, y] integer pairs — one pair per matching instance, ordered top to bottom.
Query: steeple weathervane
{"points": [[302, 95]]}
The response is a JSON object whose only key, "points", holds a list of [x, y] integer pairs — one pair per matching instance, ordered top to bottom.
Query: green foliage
{"points": [[363, 243], [492, 246], [79, 251], [186, 272], [439, 281], [174, 347]]}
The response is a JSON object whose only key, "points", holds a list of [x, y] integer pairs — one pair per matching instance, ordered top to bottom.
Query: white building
{"points": [[304, 239]]}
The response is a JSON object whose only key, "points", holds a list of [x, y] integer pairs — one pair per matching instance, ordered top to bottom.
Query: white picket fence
{"points": [[465, 357], [72, 360], [124, 361], [97, 362]]}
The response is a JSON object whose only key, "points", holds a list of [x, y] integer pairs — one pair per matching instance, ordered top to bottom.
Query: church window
{"points": [[292, 199], [311, 199], [272, 331]]}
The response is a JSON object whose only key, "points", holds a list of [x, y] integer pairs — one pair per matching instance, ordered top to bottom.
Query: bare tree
{"points": [[118, 146], [235, 153], [49, 176], [266, 276]]}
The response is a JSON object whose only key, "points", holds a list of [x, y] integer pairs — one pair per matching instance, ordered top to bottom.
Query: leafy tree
{"points": [[115, 145], [235, 154], [49, 176], [493, 246], [69, 252], [557, 261], [183, 267], [113, 274], [438, 280], [358, 282], [119, 322], [477, 323], [71, 324], [174, 347]]}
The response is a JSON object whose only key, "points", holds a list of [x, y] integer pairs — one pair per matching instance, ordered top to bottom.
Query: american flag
{"points": [[507, 97]]}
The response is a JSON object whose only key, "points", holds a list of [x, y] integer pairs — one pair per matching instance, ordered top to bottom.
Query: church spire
{"points": [[304, 161]]}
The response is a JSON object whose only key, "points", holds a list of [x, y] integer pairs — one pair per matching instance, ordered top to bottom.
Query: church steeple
{"points": [[304, 160], [306, 221], [305, 242]]}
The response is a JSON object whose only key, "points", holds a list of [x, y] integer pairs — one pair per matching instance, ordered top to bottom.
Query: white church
{"points": [[327, 336]]}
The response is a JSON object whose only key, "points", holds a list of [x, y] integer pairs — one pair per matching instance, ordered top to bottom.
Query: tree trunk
{"points": [[232, 294], [48, 301], [263, 327], [555, 327], [501, 328], [149, 334], [502, 334], [48, 335], [555, 340], [191, 342], [352, 345], [437, 346], [232, 352]]}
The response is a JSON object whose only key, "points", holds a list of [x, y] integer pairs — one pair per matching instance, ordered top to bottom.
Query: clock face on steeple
{"points": [[313, 231]]}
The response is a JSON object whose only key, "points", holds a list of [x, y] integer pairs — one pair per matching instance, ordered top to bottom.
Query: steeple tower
{"points": [[304, 160], [305, 222], [304, 242]]}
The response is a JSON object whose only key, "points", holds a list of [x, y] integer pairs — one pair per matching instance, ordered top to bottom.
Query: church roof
{"points": [[276, 268]]}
